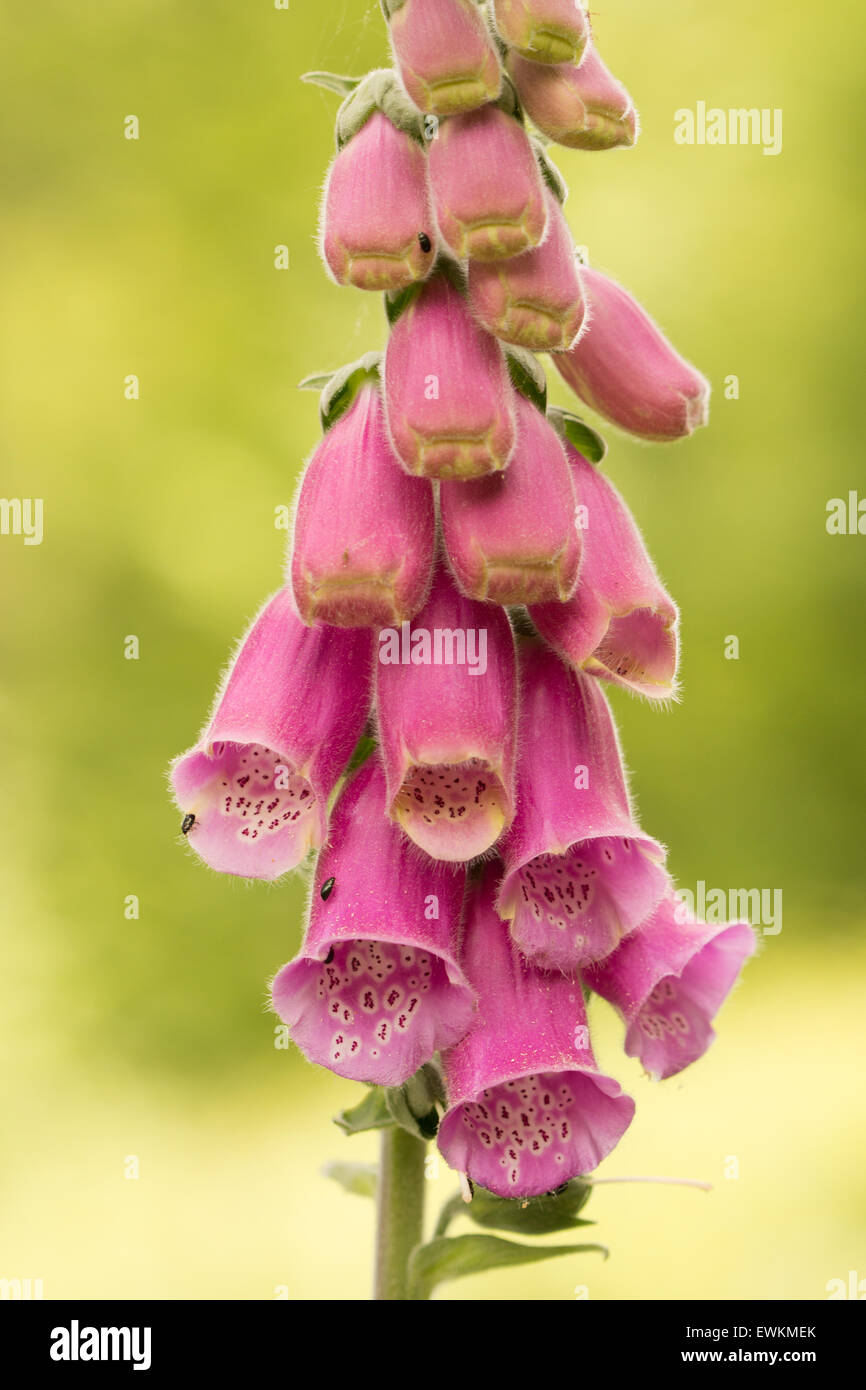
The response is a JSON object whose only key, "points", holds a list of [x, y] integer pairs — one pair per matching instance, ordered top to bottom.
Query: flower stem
{"points": [[399, 1210]]}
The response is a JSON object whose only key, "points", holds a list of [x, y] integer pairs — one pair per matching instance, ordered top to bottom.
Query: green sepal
{"points": [[332, 82], [382, 91], [549, 172], [398, 301], [527, 376], [340, 388], [582, 436], [413, 1105], [370, 1113], [359, 1179], [532, 1216], [453, 1257]]}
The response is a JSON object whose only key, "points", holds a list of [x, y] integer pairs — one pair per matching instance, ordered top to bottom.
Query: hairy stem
{"points": [[399, 1210]]}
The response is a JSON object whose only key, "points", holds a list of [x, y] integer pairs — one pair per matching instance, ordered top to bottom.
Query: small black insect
{"points": [[426, 243], [187, 823], [327, 888]]}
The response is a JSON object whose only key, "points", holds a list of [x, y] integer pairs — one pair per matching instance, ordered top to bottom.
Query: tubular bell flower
{"points": [[547, 31], [444, 53], [584, 107], [487, 189], [376, 208], [534, 300], [625, 368], [448, 398], [364, 534], [512, 537], [621, 623], [446, 704], [288, 714], [579, 873], [668, 981], [376, 989], [528, 1108]]}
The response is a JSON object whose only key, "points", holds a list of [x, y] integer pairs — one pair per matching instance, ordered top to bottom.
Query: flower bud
{"points": [[547, 31], [444, 53], [582, 107], [486, 184], [376, 210], [534, 300], [625, 368], [448, 396], [364, 532], [512, 537], [621, 623], [446, 705], [291, 709], [579, 873], [668, 980], [376, 989], [528, 1108]]}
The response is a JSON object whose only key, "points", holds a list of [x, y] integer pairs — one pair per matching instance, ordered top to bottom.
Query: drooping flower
{"points": [[547, 31], [444, 54], [584, 107], [487, 189], [376, 210], [534, 300], [625, 368], [448, 397], [364, 535], [512, 538], [621, 623], [446, 704], [291, 709], [579, 873], [668, 981], [376, 989], [528, 1108]]}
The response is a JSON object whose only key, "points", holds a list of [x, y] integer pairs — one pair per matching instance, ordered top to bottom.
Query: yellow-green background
{"points": [[155, 257]]}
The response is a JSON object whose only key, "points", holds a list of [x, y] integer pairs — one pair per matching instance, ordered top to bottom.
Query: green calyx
{"points": [[381, 91], [549, 172], [527, 376], [340, 388], [578, 433]]}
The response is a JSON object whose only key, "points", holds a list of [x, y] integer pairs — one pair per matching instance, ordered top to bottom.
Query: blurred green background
{"points": [[155, 257]]}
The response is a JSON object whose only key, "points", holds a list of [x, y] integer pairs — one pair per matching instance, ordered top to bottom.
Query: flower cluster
{"points": [[422, 705]]}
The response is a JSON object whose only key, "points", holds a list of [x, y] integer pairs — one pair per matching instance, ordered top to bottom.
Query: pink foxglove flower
{"points": [[547, 31], [444, 53], [584, 107], [487, 188], [376, 210], [534, 300], [625, 368], [448, 396], [364, 532], [512, 537], [621, 623], [446, 703], [286, 719], [579, 873], [668, 981], [376, 989], [528, 1108]]}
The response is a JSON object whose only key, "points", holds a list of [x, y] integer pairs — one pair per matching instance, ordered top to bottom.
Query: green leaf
{"points": [[332, 81], [527, 375], [582, 436], [369, 1113], [358, 1178], [533, 1216], [453, 1257]]}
